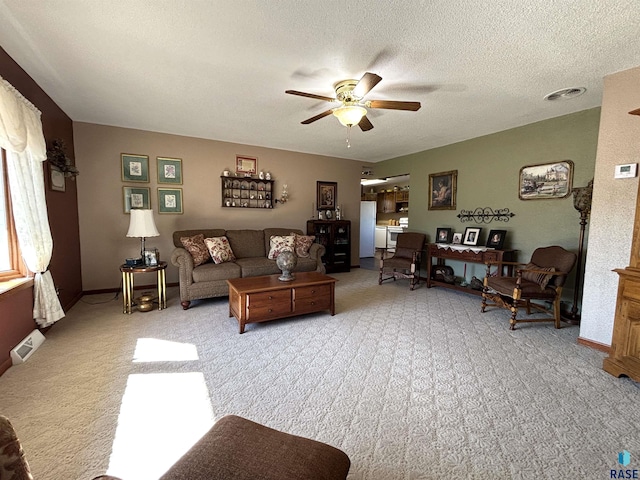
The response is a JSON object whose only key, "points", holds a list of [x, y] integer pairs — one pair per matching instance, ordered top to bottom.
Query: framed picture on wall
{"points": [[248, 165], [135, 168], [169, 170], [57, 180], [546, 181], [443, 190], [327, 195], [136, 197], [170, 200]]}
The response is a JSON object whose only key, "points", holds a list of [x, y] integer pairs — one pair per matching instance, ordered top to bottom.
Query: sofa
{"points": [[201, 277], [235, 448]]}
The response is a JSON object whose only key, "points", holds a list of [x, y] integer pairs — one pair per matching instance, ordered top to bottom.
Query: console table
{"points": [[469, 254]]}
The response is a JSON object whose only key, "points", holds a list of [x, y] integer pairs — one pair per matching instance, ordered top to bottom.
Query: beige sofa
{"points": [[250, 248]]}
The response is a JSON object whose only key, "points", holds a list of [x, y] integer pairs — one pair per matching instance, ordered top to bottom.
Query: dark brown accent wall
{"points": [[15, 309]]}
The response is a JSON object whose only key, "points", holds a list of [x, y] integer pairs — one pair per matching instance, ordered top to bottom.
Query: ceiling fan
{"points": [[353, 109]]}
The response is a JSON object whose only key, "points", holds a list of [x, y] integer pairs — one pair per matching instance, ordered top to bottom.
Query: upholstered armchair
{"points": [[405, 262], [539, 281], [13, 463]]}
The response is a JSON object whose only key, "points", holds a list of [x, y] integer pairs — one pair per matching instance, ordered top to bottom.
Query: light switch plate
{"points": [[628, 170]]}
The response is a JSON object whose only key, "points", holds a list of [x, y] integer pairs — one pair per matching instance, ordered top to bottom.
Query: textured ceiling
{"points": [[219, 69]]}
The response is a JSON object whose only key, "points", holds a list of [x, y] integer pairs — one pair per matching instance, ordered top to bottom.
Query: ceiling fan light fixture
{"points": [[350, 115]]}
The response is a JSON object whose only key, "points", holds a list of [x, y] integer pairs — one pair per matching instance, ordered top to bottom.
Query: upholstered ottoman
{"points": [[237, 448]]}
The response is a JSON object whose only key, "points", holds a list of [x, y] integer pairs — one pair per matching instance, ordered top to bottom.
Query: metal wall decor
{"points": [[485, 215]]}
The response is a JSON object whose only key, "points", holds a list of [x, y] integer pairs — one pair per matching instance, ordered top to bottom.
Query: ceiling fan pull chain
{"points": [[349, 136]]}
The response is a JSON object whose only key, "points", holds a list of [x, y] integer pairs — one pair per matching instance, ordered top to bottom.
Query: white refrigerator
{"points": [[367, 229]]}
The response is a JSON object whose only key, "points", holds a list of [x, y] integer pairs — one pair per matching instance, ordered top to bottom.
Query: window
{"points": [[11, 264]]}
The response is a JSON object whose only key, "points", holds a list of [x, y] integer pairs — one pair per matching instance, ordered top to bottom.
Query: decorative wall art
{"points": [[246, 165], [135, 168], [169, 170], [57, 180], [546, 180], [443, 190], [327, 193], [136, 197], [170, 200], [443, 235], [471, 235], [496, 239]]}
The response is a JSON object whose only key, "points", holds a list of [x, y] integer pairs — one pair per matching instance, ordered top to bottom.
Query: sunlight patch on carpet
{"points": [[156, 350], [161, 416]]}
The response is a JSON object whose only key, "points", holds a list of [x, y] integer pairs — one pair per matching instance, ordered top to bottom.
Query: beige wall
{"points": [[614, 204], [103, 225]]}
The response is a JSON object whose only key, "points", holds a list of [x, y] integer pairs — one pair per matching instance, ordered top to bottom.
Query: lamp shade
{"points": [[350, 114], [141, 224]]}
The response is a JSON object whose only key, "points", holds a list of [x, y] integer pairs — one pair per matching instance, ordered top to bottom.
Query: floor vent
{"points": [[26, 347]]}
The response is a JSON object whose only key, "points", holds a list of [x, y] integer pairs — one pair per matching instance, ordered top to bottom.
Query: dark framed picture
{"points": [[247, 165], [135, 168], [169, 170], [546, 181], [443, 190], [327, 193], [136, 197], [170, 200], [443, 235], [471, 235], [457, 239], [496, 239]]}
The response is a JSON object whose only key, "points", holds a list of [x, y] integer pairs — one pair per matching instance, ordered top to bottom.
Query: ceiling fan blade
{"points": [[366, 83], [310, 95], [394, 105], [317, 117], [365, 124]]}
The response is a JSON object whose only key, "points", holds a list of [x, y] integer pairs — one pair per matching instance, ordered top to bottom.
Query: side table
{"points": [[127, 283]]}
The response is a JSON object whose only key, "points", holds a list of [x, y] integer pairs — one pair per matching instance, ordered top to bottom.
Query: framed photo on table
{"points": [[135, 168], [169, 170], [327, 195], [136, 197], [170, 200], [443, 235], [471, 235], [496, 239]]}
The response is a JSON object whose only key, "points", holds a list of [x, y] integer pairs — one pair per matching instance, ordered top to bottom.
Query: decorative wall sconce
{"points": [[57, 157], [285, 195]]}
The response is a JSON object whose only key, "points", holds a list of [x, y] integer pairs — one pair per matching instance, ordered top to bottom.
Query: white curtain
{"points": [[21, 136]]}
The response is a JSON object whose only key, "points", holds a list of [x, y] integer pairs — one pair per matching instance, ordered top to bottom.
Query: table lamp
{"points": [[142, 225]]}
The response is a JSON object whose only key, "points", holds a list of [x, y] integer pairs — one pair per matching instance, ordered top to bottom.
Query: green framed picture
{"points": [[135, 168], [169, 170], [136, 197], [169, 200]]}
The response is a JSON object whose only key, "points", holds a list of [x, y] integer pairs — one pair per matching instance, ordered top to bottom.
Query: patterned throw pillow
{"points": [[278, 244], [302, 244], [196, 247], [220, 249], [541, 279], [13, 463]]}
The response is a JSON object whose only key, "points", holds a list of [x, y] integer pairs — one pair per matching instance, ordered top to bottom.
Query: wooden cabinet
{"points": [[246, 192], [402, 196], [386, 202], [335, 235], [457, 252], [624, 355]]}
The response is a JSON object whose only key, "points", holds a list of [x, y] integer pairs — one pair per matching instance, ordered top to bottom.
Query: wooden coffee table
{"points": [[260, 299]]}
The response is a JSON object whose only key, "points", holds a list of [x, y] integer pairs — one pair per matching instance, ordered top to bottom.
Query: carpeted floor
{"points": [[411, 385]]}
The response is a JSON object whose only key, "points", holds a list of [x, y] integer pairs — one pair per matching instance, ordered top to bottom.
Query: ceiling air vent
{"points": [[565, 94]]}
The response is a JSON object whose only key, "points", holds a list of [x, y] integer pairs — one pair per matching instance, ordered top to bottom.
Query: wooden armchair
{"points": [[405, 262], [541, 280]]}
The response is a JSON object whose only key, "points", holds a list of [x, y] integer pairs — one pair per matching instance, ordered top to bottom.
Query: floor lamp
{"points": [[582, 203]]}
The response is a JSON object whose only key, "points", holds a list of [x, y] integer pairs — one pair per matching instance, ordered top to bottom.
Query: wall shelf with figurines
{"points": [[246, 191]]}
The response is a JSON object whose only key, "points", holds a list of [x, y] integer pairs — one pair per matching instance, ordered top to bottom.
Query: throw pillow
{"points": [[279, 244], [303, 244], [196, 247], [220, 249], [541, 279]]}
